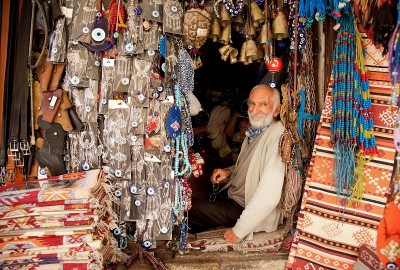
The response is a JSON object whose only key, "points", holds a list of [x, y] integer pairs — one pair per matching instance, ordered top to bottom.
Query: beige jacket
{"points": [[263, 187]]}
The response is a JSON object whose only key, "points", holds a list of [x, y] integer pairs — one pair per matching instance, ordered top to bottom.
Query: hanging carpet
{"points": [[328, 235]]}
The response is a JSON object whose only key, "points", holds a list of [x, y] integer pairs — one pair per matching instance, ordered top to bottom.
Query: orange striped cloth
{"points": [[329, 235]]}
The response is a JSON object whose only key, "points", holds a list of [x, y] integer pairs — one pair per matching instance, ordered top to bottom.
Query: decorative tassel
{"points": [[344, 169], [359, 186]]}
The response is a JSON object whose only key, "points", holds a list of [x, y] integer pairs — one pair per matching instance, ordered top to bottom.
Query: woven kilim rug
{"points": [[67, 226], [327, 235], [213, 240]]}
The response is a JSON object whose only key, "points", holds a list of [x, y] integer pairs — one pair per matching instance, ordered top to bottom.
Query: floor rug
{"points": [[328, 236]]}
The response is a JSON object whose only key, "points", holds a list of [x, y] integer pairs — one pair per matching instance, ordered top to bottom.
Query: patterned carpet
{"points": [[66, 226], [328, 236]]}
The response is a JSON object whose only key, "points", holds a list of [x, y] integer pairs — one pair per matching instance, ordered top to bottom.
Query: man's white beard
{"points": [[260, 120]]}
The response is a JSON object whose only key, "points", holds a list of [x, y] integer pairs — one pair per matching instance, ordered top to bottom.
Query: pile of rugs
{"points": [[64, 222]]}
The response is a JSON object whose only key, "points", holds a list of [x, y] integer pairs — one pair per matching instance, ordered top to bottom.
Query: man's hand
{"points": [[219, 175], [231, 237]]}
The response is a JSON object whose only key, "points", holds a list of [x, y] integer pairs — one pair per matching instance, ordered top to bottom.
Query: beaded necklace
{"points": [[230, 7], [300, 31], [352, 125]]}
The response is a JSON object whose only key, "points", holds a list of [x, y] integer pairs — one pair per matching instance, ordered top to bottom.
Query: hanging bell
{"points": [[257, 16], [225, 17], [237, 22], [280, 28], [215, 30], [249, 30], [265, 34], [225, 35], [224, 51], [251, 51], [233, 53], [242, 56]]}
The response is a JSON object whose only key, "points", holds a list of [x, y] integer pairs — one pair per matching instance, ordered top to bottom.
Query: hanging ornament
{"points": [[230, 7], [257, 16], [196, 26], [280, 27], [215, 31], [274, 66]]}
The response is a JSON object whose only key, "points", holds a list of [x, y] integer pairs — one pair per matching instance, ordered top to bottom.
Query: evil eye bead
{"points": [[174, 9], [155, 14], [85, 30], [98, 34], [115, 35], [75, 42], [129, 47], [54, 50], [151, 52], [97, 63], [163, 67], [75, 80], [125, 81], [272, 84], [160, 88], [156, 94], [140, 97], [104, 101], [87, 109], [134, 124], [134, 137], [167, 148], [85, 167], [42, 171], [118, 173], [45, 185], [166, 185], [133, 189], [150, 191], [118, 193], [137, 203], [398, 206], [164, 230], [116, 231], [147, 244], [391, 265]]}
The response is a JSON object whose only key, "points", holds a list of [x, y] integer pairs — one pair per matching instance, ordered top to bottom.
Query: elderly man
{"points": [[249, 201]]}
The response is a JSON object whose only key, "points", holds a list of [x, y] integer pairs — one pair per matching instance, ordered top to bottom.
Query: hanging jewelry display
{"points": [[152, 10], [84, 14], [172, 19], [300, 31], [133, 36], [151, 37], [57, 42], [77, 57], [123, 71], [107, 82], [140, 82], [85, 102], [136, 122], [352, 124], [119, 154], [88, 155], [153, 188], [145, 233]]}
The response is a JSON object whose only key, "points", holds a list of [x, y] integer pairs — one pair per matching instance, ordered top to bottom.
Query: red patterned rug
{"points": [[327, 235]]}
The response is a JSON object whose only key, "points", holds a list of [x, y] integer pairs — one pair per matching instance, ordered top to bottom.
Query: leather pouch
{"points": [[44, 73], [56, 76], [50, 103], [62, 116], [75, 120], [54, 163]]}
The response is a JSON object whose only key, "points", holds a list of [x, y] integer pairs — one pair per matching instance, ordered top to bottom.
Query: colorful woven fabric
{"points": [[67, 226], [329, 233], [367, 259]]}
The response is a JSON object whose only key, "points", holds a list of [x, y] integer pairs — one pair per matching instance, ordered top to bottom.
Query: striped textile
{"points": [[328, 235]]}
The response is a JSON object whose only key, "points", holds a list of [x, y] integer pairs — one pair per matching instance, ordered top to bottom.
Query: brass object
{"points": [[257, 16], [280, 28], [215, 31]]}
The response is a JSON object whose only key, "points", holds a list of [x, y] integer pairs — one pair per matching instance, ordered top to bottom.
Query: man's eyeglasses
{"points": [[213, 195]]}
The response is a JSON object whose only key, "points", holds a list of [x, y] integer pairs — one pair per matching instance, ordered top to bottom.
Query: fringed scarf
{"points": [[352, 125]]}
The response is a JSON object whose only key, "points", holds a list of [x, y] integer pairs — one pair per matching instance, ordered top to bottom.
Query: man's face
{"points": [[261, 108]]}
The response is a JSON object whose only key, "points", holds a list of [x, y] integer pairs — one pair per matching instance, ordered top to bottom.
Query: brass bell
{"points": [[257, 16], [225, 17], [237, 22], [280, 28], [249, 29], [215, 30], [265, 34], [225, 35], [224, 51], [233, 53], [252, 53], [242, 56]]}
